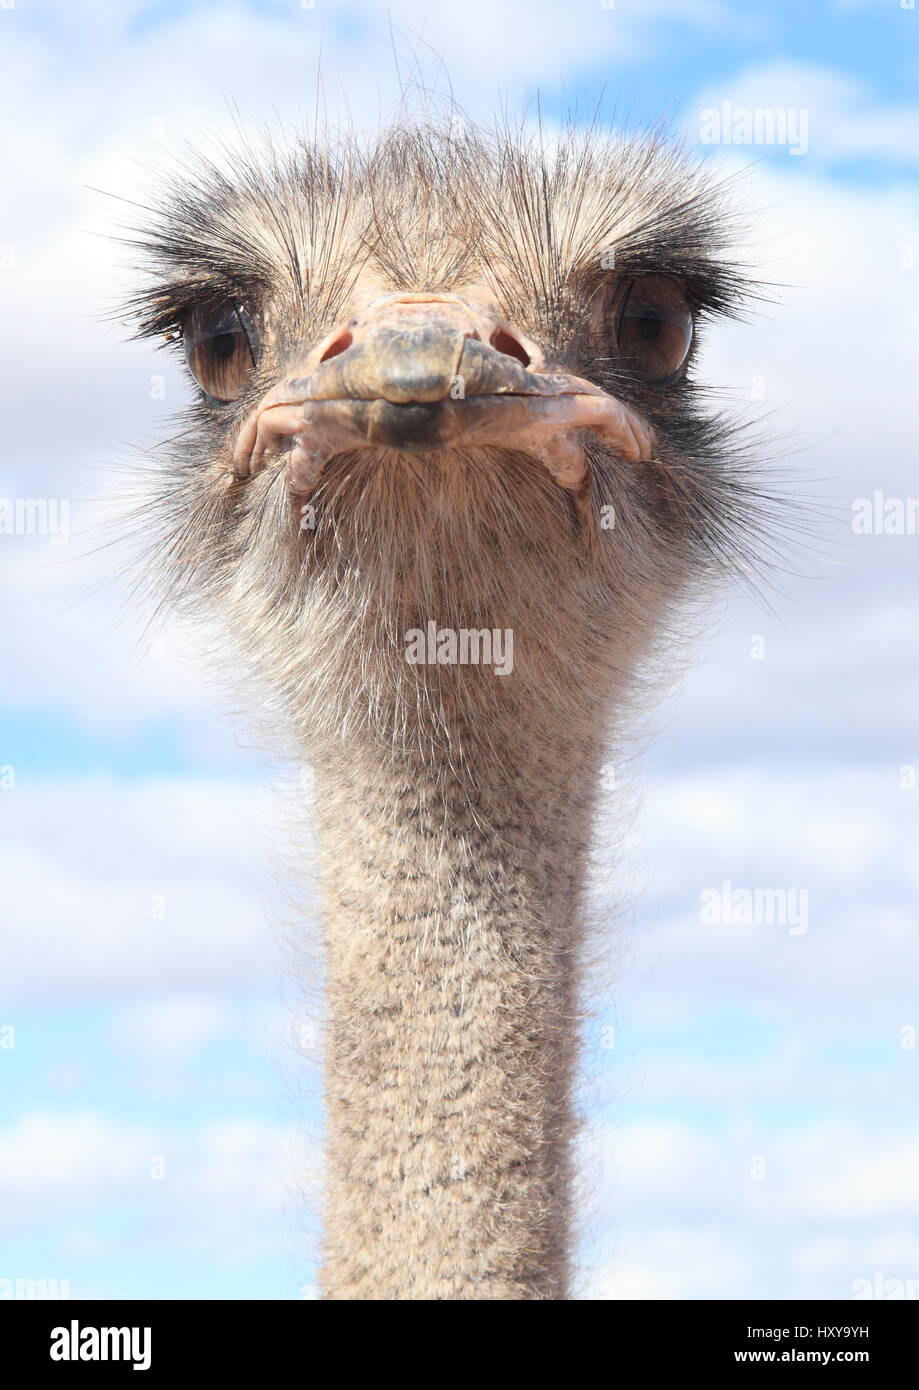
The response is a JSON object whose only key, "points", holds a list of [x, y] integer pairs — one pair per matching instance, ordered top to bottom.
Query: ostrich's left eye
{"points": [[654, 328], [221, 348]]}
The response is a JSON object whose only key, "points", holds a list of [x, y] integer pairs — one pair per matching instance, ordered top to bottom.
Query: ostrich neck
{"points": [[452, 898]]}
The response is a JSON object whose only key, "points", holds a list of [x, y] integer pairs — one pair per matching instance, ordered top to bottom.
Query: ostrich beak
{"points": [[425, 374]]}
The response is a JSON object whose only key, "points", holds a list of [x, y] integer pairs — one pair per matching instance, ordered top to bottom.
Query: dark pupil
{"points": [[649, 329], [224, 345]]}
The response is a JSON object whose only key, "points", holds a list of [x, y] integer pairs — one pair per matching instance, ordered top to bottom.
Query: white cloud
{"points": [[845, 119], [97, 665], [845, 837], [120, 887], [173, 1025], [793, 1074], [848, 1177], [226, 1185], [751, 1212], [672, 1264]]}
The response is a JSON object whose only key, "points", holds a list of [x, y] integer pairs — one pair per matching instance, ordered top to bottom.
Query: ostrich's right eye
{"points": [[221, 347]]}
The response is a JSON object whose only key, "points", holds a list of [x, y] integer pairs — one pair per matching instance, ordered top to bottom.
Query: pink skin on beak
{"points": [[418, 375]]}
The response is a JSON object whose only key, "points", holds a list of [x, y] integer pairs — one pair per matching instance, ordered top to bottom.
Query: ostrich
{"points": [[446, 484]]}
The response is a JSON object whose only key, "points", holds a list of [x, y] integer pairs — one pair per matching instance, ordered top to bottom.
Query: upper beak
{"points": [[419, 375]]}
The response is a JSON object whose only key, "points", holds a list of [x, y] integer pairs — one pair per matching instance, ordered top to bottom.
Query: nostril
{"points": [[505, 342], [339, 344]]}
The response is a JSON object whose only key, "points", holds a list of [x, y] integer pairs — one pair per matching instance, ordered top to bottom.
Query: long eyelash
{"points": [[161, 311]]}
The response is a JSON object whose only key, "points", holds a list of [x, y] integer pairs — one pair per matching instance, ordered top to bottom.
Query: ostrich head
{"points": [[450, 380]]}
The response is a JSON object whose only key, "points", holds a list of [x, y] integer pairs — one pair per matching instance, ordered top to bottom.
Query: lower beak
{"points": [[428, 387]]}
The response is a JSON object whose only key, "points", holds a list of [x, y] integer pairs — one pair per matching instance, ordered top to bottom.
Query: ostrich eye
{"points": [[654, 328], [221, 348]]}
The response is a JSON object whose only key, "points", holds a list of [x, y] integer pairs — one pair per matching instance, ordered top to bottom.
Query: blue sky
{"points": [[754, 1129]]}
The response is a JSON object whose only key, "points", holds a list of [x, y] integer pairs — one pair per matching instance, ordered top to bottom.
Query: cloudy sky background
{"points": [[754, 1128]]}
